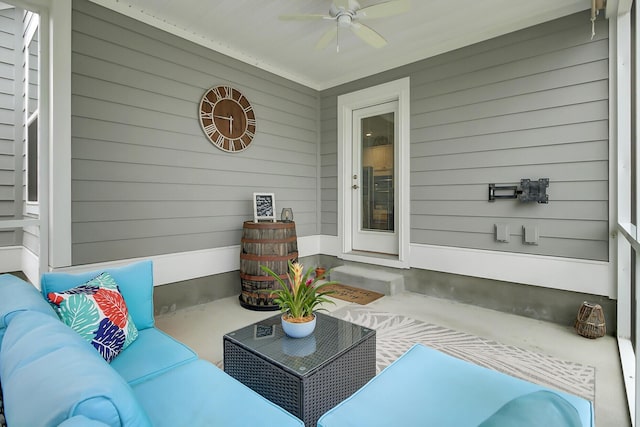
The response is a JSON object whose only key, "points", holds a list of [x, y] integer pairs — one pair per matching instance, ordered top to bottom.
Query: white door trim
{"points": [[396, 90]]}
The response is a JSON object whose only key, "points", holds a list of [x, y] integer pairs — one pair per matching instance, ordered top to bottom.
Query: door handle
{"points": [[355, 186]]}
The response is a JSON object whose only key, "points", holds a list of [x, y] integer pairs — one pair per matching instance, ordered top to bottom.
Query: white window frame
{"points": [[55, 126], [622, 196], [32, 206]]}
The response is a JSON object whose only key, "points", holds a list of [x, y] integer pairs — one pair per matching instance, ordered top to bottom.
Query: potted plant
{"points": [[298, 298]]}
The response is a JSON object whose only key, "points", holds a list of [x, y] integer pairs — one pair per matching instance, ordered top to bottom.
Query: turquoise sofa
{"points": [[51, 376], [425, 387]]}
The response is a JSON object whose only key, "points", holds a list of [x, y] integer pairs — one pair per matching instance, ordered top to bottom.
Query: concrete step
{"points": [[369, 278]]}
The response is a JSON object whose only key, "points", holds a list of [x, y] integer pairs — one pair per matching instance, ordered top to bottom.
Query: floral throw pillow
{"points": [[96, 310]]}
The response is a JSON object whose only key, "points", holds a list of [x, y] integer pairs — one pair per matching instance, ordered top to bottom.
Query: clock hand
{"points": [[223, 117], [230, 125]]}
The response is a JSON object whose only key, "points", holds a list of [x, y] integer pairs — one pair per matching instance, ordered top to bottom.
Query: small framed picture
{"points": [[264, 207]]}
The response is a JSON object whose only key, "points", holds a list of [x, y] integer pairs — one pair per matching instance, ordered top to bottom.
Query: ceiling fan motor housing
{"points": [[344, 19]]}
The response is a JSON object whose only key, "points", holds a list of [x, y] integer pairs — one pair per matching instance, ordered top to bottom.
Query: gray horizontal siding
{"points": [[33, 50], [531, 104], [9, 159], [511, 174], [145, 180], [562, 190], [558, 228], [556, 246]]}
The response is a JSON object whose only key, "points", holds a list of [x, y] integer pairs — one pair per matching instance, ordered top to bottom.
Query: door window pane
{"points": [[377, 141]]}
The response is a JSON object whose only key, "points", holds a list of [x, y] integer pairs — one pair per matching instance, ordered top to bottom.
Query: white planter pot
{"points": [[298, 330]]}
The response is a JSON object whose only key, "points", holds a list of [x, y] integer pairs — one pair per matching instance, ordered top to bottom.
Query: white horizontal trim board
{"points": [[11, 258], [19, 258], [176, 267], [576, 275], [591, 277]]}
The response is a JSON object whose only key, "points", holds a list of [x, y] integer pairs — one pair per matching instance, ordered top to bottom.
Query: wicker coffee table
{"points": [[306, 376]]}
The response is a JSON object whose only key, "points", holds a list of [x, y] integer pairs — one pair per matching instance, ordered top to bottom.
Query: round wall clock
{"points": [[227, 118]]}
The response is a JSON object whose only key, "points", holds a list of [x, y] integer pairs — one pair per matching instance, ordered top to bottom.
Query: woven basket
{"points": [[590, 322]]}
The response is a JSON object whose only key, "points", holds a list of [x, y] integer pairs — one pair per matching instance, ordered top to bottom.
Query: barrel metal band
{"points": [[252, 257]]}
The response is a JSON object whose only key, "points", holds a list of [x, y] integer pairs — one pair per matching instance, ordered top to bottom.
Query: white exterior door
{"points": [[373, 149], [373, 202]]}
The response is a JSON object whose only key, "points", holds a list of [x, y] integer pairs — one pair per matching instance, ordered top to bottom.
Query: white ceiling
{"points": [[250, 30]]}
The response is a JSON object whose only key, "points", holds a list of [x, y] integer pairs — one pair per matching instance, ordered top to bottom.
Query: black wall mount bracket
{"points": [[527, 191]]}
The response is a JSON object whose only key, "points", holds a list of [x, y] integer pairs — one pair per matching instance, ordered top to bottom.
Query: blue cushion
{"points": [[134, 280], [17, 295], [152, 353], [49, 373], [425, 384], [200, 394], [538, 409], [81, 421]]}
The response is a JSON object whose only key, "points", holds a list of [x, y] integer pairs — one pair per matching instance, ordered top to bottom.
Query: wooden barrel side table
{"points": [[273, 244]]}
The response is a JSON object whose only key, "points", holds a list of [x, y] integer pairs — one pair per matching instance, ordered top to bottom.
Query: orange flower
{"points": [[296, 277]]}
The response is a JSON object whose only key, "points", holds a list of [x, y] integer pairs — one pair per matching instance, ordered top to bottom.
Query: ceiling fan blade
{"points": [[383, 10], [309, 17], [368, 35], [327, 37]]}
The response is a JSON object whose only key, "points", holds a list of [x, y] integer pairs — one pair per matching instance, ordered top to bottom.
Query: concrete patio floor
{"points": [[202, 326]]}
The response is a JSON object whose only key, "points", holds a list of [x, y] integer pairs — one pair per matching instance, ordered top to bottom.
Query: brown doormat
{"points": [[351, 294]]}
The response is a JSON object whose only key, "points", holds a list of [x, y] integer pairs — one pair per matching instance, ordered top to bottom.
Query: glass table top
{"points": [[301, 356]]}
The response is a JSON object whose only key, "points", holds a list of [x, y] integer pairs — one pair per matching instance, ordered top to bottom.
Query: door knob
{"points": [[355, 186]]}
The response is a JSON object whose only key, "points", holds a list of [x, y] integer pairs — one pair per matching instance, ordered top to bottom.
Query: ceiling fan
{"points": [[348, 14]]}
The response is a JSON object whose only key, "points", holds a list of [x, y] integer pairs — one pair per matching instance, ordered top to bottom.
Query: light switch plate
{"points": [[502, 233], [530, 234]]}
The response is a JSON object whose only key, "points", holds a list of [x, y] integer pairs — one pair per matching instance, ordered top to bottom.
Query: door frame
{"points": [[395, 90]]}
